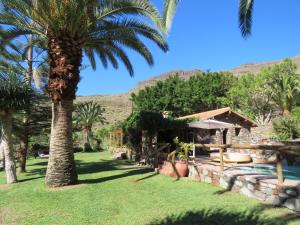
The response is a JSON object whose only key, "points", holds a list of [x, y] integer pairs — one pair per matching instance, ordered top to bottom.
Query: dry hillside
{"points": [[119, 106]]}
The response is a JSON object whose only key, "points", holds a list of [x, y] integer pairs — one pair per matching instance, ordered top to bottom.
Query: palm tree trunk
{"points": [[65, 55], [25, 136], [86, 140], [24, 143], [2, 159], [10, 167], [61, 169]]}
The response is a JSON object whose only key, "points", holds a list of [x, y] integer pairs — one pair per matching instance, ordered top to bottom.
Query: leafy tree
{"points": [[70, 28], [284, 84], [273, 89], [208, 90], [199, 93], [15, 94], [166, 95], [250, 96], [86, 115], [152, 123]]}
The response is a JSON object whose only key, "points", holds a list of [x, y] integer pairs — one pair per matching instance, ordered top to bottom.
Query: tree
{"points": [[70, 28], [29, 60], [284, 85], [15, 93], [199, 93], [251, 96], [86, 115], [2, 162]]}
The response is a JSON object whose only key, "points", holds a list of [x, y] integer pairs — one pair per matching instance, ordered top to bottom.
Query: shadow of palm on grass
{"points": [[102, 166], [93, 168], [117, 176], [222, 217]]}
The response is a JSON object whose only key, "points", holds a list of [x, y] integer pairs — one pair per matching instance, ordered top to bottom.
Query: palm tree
{"points": [[245, 16], [71, 27], [22, 56], [284, 84], [15, 94], [86, 115], [2, 162]]}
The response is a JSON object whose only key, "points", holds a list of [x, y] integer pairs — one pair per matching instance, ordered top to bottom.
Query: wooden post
{"points": [[121, 138], [194, 151], [221, 159], [280, 177]]}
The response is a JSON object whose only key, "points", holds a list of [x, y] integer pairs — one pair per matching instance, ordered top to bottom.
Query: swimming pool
{"points": [[289, 172]]}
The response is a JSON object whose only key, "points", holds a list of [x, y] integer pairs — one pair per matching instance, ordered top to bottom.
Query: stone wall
{"points": [[261, 134], [260, 187]]}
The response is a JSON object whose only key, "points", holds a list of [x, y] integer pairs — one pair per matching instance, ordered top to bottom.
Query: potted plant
{"points": [[182, 163]]}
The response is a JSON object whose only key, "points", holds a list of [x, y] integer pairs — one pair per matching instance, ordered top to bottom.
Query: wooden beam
{"points": [[248, 146], [280, 177]]}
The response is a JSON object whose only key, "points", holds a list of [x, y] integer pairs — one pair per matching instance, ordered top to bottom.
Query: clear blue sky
{"points": [[205, 35]]}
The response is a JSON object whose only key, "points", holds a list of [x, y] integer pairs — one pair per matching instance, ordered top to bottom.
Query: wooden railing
{"points": [[280, 149]]}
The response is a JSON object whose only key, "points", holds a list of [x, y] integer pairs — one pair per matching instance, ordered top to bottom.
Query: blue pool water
{"points": [[289, 172]]}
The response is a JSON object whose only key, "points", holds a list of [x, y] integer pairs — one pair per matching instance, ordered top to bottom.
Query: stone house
{"points": [[244, 131], [240, 133]]}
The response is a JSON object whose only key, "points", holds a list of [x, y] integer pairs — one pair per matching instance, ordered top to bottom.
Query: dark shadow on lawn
{"points": [[44, 163], [102, 166], [95, 167], [38, 171], [118, 176], [146, 177], [28, 179], [222, 217]]}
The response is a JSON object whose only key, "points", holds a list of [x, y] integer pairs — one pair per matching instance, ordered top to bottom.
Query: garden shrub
{"points": [[286, 128]]}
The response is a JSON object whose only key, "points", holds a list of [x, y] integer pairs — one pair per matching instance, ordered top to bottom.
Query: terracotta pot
{"points": [[182, 168], [167, 169]]}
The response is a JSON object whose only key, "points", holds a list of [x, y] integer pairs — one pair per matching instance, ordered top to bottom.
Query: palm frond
{"points": [[169, 12], [245, 17]]}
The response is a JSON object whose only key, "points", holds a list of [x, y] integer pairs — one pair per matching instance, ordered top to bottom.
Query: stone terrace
{"points": [[261, 187]]}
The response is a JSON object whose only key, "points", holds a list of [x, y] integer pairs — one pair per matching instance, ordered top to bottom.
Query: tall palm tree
{"points": [[71, 27], [24, 57], [15, 93], [86, 115], [2, 162]]}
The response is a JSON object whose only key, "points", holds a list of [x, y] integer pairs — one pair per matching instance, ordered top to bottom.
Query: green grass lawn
{"points": [[120, 193]]}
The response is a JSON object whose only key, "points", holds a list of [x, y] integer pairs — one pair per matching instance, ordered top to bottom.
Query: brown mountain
{"points": [[256, 67], [119, 106]]}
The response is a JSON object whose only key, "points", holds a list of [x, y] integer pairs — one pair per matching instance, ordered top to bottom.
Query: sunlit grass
{"points": [[120, 193]]}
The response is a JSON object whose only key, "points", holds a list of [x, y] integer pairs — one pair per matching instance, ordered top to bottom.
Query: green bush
{"points": [[153, 122], [286, 128]]}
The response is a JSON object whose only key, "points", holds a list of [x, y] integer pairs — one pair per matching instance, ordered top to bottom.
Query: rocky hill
{"points": [[256, 67], [119, 106]]}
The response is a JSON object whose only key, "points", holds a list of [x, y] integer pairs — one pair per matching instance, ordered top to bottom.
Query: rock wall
{"points": [[260, 187]]}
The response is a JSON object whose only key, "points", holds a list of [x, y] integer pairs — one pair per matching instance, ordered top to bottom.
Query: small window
{"points": [[237, 131], [212, 132]]}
